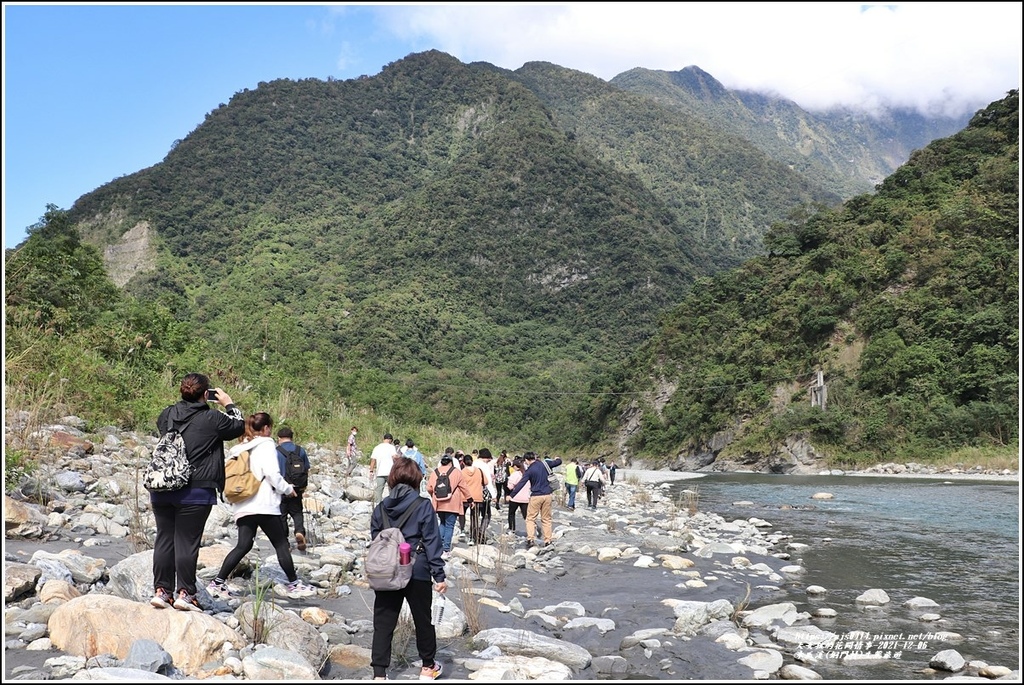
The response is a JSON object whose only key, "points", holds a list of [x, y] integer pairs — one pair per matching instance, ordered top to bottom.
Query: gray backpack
{"points": [[383, 570]]}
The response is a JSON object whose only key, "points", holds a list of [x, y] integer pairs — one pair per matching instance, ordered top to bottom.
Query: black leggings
{"points": [[292, 507], [513, 507], [479, 520], [274, 527], [179, 532], [387, 605]]}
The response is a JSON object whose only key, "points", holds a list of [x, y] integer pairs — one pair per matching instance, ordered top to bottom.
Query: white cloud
{"points": [[925, 55]]}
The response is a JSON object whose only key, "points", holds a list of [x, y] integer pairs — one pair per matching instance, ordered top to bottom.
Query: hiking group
{"points": [[262, 482]]}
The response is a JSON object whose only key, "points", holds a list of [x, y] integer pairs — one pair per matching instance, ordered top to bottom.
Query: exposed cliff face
{"points": [[127, 250], [132, 254]]}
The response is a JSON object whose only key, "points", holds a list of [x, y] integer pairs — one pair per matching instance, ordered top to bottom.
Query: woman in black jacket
{"points": [[181, 514], [421, 532]]}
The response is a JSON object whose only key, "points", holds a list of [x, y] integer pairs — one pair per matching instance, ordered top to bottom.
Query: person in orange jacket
{"points": [[448, 508]]}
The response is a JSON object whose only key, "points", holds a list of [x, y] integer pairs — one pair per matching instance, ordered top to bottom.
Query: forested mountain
{"points": [[845, 151], [721, 189], [450, 244], [906, 300]]}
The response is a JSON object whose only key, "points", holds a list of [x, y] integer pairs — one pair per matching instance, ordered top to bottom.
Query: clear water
{"points": [[955, 542]]}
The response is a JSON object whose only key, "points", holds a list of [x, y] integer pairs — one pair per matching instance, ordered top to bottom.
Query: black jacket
{"points": [[204, 437]]}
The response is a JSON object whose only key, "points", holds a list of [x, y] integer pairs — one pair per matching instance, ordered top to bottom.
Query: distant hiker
{"points": [[411, 452], [352, 453], [381, 460], [294, 464], [611, 472], [501, 473], [573, 473], [537, 475], [593, 479], [476, 482], [447, 493], [521, 500], [262, 510], [181, 514], [420, 531]]}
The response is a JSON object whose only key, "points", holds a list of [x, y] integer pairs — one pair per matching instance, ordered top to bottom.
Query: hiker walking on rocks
{"points": [[411, 452], [352, 453], [381, 459], [294, 466], [501, 473], [573, 473], [593, 479], [475, 480], [540, 496], [521, 500], [447, 503], [262, 510], [181, 514], [421, 532]]}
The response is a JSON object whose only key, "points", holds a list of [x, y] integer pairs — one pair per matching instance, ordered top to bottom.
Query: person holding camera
{"points": [[181, 514]]}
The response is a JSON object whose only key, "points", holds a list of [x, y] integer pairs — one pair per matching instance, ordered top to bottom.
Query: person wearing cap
{"points": [[381, 460], [540, 496]]}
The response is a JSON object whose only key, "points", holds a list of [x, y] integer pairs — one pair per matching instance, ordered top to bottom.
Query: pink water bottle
{"points": [[404, 553]]}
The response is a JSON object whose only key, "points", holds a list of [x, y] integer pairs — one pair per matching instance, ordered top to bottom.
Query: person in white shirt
{"points": [[381, 460]]}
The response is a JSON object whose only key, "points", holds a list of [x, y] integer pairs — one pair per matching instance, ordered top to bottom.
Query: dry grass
{"points": [[689, 499], [741, 606], [471, 610], [403, 643]]}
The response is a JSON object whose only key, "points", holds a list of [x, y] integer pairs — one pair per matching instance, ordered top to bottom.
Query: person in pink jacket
{"points": [[522, 499], [449, 509]]}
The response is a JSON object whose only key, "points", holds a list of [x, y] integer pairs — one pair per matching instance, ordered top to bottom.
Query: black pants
{"points": [[503, 490], [593, 492], [292, 507], [513, 507], [479, 520], [274, 528], [179, 532], [387, 605]]}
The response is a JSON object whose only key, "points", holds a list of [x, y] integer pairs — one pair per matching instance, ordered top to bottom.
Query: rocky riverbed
{"points": [[645, 587]]}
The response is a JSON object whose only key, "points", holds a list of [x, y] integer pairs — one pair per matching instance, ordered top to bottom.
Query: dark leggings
{"points": [[292, 507], [513, 507], [479, 520], [273, 526], [179, 531], [387, 605]]}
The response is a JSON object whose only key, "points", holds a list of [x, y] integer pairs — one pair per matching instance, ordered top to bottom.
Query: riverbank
{"points": [[646, 586]]}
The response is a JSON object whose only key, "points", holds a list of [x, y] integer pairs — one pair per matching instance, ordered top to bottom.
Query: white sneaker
{"points": [[297, 588]]}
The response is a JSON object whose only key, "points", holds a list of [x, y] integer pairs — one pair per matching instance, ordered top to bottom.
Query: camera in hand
{"points": [[211, 395]]}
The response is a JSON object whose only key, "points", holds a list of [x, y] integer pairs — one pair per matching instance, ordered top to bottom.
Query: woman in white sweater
{"points": [[262, 510]]}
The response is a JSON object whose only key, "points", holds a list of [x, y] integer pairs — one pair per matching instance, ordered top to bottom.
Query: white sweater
{"points": [[263, 464]]}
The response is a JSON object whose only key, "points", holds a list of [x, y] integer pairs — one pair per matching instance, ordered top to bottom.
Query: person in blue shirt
{"points": [[413, 453], [537, 475], [292, 506]]}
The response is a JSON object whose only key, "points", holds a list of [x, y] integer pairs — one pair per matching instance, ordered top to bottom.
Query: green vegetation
{"points": [[470, 256], [907, 300]]}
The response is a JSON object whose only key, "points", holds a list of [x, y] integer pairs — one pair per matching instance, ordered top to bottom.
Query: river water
{"points": [[955, 542]]}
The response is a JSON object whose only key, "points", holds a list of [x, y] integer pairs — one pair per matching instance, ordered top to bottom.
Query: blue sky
{"points": [[95, 92]]}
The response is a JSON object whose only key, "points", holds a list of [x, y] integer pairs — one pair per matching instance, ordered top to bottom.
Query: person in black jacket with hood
{"points": [[181, 514], [422, 533]]}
